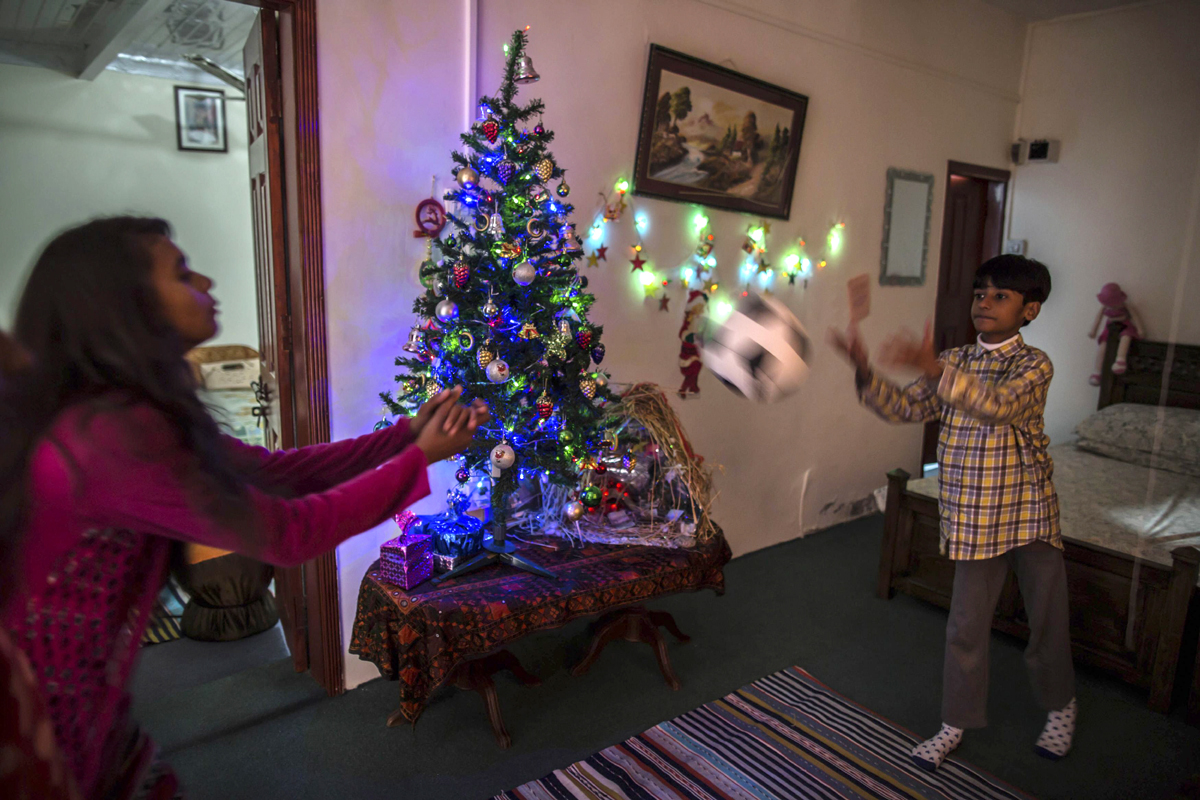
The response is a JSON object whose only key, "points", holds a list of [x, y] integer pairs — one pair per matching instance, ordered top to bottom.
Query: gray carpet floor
{"points": [[171, 667], [270, 733]]}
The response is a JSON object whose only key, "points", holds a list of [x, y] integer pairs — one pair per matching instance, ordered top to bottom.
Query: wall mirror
{"points": [[906, 216]]}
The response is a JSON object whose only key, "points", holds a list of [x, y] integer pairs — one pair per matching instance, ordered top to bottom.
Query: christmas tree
{"points": [[505, 312]]}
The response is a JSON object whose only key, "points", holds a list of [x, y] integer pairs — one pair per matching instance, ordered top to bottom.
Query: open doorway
{"points": [[144, 106], [972, 231]]}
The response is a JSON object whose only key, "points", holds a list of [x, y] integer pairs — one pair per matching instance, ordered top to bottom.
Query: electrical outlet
{"points": [[1015, 247]]}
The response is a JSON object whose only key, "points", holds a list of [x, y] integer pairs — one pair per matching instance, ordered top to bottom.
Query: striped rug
{"points": [[784, 737]]}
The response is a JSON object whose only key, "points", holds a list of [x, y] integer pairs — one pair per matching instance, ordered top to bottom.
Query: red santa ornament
{"points": [[689, 346]]}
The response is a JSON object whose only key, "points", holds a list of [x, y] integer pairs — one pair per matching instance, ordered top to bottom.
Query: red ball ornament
{"points": [[538, 130], [463, 475]]}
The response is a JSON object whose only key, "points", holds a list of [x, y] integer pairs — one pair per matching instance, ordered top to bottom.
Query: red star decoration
{"points": [[602, 253], [637, 262], [662, 303]]}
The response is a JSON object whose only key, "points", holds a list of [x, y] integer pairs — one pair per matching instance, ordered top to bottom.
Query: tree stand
{"points": [[497, 550]]}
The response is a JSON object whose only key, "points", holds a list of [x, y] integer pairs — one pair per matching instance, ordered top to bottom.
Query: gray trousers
{"points": [[1042, 579]]}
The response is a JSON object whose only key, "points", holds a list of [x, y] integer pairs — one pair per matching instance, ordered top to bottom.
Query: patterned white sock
{"points": [[1056, 737], [930, 753]]}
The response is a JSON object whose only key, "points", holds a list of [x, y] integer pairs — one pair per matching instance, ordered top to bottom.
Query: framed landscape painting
{"points": [[713, 136]]}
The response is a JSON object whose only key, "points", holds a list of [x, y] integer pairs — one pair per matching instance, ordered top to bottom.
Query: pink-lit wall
{"points": [[907, 85]]}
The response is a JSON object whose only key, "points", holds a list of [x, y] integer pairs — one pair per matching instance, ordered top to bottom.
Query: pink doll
{"points": [[1114, 308]]}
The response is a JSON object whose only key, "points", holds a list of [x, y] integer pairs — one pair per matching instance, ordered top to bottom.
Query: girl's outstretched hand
{"points": [[418, 421], [451, 429]]}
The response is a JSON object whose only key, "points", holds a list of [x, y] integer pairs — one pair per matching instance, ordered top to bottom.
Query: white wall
{"points": [[908, 85], [1122, 91], [71, 150]]}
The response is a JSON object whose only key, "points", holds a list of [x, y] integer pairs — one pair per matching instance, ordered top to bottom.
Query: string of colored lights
{"points": [[698, 269]]}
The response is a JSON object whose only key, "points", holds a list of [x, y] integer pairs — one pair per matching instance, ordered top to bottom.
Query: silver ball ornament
{"points": [[524, 273], [447, 311], [490, 311], [497, 371], [601, 380], [573, 510]]}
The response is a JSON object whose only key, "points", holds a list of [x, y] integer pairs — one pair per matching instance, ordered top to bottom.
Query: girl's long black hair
{"points": [[89, 328]]}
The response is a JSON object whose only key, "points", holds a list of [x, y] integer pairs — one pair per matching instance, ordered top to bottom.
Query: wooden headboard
{"points": [[1143, 381]]}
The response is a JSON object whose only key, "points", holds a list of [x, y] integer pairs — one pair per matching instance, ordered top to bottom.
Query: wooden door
{"points": [[264, 113], [972, 227]]}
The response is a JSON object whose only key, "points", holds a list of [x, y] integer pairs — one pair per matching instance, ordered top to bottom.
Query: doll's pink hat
{"points": [[1111, 295]]}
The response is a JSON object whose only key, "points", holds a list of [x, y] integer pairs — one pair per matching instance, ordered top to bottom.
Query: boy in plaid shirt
{"points": [[997, 499]]}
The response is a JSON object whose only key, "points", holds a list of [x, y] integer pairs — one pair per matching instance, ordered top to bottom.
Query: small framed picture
{"points": [[200, 119]]}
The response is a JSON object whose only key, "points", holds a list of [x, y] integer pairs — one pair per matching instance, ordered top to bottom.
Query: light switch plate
{"points": [[1015, 247]]}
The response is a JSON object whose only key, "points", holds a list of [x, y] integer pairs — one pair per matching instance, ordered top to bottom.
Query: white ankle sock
{"points": [[1056, 737], [930, 753]]}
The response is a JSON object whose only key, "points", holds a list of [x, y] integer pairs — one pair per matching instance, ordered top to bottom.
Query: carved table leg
{"points": [[636, 624], [476, 675]]}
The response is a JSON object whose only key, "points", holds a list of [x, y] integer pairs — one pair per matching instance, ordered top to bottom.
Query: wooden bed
{"points": [[1105, 584]]}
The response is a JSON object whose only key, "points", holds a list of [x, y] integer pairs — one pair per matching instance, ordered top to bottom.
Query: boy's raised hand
{"points": [[851, 347], [903, 350]]}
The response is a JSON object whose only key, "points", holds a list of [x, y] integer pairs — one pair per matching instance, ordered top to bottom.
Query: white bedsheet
{"points": [[1131, 509]]}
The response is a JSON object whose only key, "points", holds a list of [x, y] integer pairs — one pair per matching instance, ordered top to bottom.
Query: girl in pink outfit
{"points": [[108, 457]]}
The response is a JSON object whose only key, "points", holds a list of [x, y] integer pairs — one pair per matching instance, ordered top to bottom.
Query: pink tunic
{"points": [[108, 492]]}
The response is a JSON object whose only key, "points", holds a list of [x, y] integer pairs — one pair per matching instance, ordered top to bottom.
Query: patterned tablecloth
{"points": [[419, 637]]}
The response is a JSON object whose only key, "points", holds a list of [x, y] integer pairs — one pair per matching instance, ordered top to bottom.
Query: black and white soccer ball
{"points": [[759, 351]]}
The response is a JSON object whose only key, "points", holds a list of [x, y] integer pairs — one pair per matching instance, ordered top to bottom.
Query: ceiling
{"points": [[1037, 10], [151, 37]]}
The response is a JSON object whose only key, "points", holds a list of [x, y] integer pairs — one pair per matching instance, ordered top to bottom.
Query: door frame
{"points": [[993, 230], [305, 323]]}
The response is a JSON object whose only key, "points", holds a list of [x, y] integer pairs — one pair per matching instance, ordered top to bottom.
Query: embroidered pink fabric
{"points": [[108, 491]]}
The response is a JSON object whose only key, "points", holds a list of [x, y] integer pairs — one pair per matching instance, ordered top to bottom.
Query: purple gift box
{"points": [[407, 560]]}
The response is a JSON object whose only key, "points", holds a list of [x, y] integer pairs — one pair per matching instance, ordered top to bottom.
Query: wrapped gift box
{"points": [[407, 522], [455, 540], [406, 560], [447, 563]]}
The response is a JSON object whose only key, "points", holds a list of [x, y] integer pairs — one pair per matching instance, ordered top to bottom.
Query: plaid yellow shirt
{"points": [[996, 478]]}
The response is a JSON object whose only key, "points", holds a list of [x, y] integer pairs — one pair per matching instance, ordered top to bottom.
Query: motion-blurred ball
{"points": [[759, 350]]}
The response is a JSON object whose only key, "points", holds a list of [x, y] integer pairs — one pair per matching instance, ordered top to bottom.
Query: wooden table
{"points": [[455, 633]]}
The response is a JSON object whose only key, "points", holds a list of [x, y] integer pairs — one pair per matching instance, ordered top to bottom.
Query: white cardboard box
{"points": [[230, 374]]}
